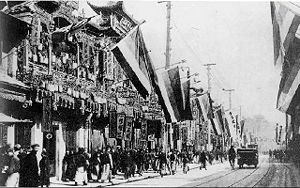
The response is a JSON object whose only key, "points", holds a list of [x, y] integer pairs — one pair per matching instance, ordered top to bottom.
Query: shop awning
{"points": [[12, 31], [127, 54], [8, 119]]}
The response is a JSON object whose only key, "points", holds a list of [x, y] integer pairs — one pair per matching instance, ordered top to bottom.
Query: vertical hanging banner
{"points": [[47, 114], [112, 124], [120, 125], [128, 128], [193, 129], [144, 130], [184, 134]]}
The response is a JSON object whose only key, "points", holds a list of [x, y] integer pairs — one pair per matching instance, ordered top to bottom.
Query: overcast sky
{"points": [[237, 36]]}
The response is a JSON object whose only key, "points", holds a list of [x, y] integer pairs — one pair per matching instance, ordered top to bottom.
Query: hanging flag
{"points": [[286, 20], [127, 53], [170, 92], [205, 105], [186, 113], [112, 124], [120, 125], [242, 126]]}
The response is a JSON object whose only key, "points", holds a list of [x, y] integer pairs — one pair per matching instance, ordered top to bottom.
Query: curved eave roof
{"points": [[113, 7]]}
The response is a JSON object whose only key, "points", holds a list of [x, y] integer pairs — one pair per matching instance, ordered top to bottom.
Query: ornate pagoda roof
{"points": [[116, 7]]}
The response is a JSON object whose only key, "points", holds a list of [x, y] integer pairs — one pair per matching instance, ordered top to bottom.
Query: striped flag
{"points": [[286, 20]]}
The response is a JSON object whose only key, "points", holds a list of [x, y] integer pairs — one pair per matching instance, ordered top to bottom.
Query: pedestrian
{"points": [[22, 155], [231, 156], [203, 159], [173, 160], [116, 161], [139, 161], [184, 162], [163, 163], [95, 164], [107, 165], [65, 166], [81, 167], [13, 168], [31, 168], [44, 169]]}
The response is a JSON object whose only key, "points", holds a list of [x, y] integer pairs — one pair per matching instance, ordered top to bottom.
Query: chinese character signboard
{"points": [[47, 115], [112, 124], [120, 125], [128, 128], [144, 130]]}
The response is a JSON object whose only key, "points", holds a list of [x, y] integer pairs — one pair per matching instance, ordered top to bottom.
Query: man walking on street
{"points": [[232, 155], [203, 160], [13, 168], [31, 168]]}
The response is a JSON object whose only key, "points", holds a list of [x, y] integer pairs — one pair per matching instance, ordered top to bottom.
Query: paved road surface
{"points": [[269, 173]]}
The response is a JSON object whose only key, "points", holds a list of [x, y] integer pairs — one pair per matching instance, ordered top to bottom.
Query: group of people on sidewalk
{"points": [[24, 167]]}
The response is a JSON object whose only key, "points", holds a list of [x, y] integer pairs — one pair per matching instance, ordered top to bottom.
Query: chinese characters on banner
{"points": [[47, 115], [112, 124], [120, 125], [128, 129], [144, 130], [193, 130], [184, 134]]}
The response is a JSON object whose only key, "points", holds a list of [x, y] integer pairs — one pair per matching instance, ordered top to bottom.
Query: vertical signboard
{"points": [[47, 114], [112, 124], [120, 125], [128, 129], [144, 130]]}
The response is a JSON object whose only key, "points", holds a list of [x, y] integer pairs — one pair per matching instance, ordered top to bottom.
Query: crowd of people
{"points": [[278, 154], [23, 167], [26, 168]]}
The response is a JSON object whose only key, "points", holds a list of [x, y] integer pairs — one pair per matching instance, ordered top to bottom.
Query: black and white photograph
{"points": [[149, 93]]}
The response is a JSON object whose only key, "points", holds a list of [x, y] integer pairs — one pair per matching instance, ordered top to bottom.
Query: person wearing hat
{"points": [[13, 168], [44, 169], [31, 178]]}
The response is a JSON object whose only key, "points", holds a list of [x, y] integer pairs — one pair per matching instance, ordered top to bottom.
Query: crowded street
{"points": [[149, 93]]}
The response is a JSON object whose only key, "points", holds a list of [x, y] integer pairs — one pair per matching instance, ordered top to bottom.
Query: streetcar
{"points": [[248, 156]]}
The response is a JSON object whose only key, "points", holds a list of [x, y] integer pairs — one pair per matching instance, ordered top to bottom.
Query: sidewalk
{"points": [[119, 179]]}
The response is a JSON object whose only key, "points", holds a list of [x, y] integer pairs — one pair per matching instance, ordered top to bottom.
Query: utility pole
{"points": [[168, 43], [168, 49], [208, 66], [209, 75], [230, 102]]}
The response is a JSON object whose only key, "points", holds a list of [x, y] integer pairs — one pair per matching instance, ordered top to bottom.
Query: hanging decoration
{"points": [[120, 125]]}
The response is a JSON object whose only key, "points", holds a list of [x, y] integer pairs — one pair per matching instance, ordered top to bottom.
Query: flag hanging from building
{"points": [[285, 20], [286, 34], [127, 53], [205, 104], [112, 124], [120, 125]]}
